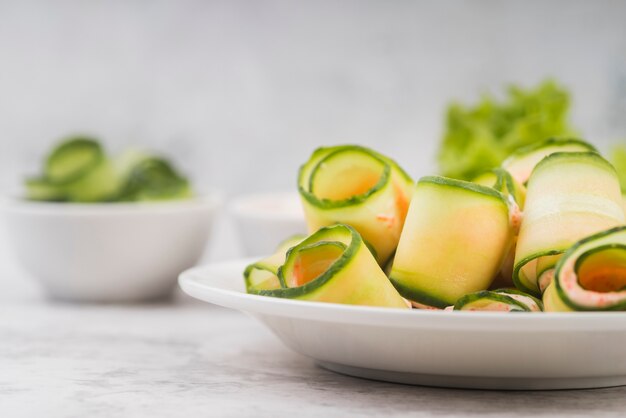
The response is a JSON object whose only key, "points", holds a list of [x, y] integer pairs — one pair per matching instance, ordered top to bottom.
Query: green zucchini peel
{"points": [[600, 287]]}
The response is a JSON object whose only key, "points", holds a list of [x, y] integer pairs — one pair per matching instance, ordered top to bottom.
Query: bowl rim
{"points": [[15, 204]]}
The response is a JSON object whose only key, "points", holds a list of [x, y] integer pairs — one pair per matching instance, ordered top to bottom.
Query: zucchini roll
{"points": [[522, 162], [76, 170], [502, 181], [359, 187], [569, 196], [455, 239], [334, 265], [263, 275], [591, 276], [500, 300]]}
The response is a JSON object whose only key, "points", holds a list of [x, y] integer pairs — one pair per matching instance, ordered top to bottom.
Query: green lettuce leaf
{"points": [[478, 138]]}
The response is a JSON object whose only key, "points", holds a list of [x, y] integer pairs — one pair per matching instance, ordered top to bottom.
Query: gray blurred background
{"points": [[239, 92]]}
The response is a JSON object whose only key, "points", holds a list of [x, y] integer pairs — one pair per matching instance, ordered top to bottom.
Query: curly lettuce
{"points": [[478, 138]]}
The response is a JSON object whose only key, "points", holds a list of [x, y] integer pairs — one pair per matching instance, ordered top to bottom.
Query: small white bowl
{"points": [[264, 220], [109, 252]]}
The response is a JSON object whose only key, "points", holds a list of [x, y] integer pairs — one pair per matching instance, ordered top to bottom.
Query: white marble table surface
{"points": [[186, 358]]}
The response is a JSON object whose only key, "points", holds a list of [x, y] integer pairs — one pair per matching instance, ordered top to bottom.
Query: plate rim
{"points": [[196, 282]]}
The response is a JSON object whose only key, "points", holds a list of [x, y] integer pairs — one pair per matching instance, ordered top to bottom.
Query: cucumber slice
{"points": [[72, 160], [522, 162], [76, 170], [154, 178], [502, 181], [95, 186], [357, 186], [42, 190], [569, 196], [454, 241], [334, 265], [263, 275], [591, 275], [507, 300], [552, 302]]}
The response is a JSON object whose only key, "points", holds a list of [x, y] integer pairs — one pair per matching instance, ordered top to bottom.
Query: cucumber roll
{"points": [[522, 162], [76, 170], [152, 179], [503, 181], [359, 187], [39, 188], [569, 196], [455, 239], [334, 265], [263, 275], [591, 275], [500, 300]]}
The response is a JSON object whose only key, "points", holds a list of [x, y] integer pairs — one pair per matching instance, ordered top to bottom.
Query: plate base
{"points": [[470, 382]]}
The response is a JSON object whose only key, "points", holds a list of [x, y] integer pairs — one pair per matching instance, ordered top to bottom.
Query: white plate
{"points": [[482, 350]]}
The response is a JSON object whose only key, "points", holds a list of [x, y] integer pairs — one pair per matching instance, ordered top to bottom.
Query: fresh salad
{"points": [[478, 137], [79, 170], [544, 231]]}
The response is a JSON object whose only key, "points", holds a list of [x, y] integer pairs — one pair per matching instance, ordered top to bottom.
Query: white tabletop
{"points": [[186, 358]]}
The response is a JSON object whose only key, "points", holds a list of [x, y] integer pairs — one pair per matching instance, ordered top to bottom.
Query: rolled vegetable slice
{"points": [[72, 160], [522, 162], [619, 162], [76, 170], [154, 178], [502, 181], [359, 187], [41, 189], [569, 196], [454, 241], [334, 265], [263, 275], [591, 276], [501, 300]]}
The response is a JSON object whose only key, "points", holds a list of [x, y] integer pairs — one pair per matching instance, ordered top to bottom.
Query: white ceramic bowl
{"points": [[265, 220], [111, 252], [480, 350]]}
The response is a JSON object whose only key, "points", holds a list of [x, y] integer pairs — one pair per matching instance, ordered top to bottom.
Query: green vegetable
{"points": [[478, 138], [73, 159], [523, 161], [619, 162], [78, 170], [154, 179], [502, 181], [359, 187], [41, 189], [570, 195], [454, 241], [334, 265], [263, 275], [591, 275], [509, 300]]}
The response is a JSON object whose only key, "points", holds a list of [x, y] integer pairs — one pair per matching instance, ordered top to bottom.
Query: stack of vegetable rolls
{"points": [[78, 170], [544, 232]]}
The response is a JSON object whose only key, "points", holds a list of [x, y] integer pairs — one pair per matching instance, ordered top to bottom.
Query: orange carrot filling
{"points": [[311, 263], [604, 271]]}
